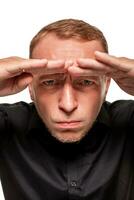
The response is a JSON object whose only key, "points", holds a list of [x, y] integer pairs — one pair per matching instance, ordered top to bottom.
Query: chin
{"points": [[68, 137]]}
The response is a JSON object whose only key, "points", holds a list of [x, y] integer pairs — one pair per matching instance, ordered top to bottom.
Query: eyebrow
{"points": [[56, 75], [63, 76], [89, 77]]}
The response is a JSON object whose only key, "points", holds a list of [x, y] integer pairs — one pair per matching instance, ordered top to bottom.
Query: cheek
{"points": [[92, 102], [45, 104]]}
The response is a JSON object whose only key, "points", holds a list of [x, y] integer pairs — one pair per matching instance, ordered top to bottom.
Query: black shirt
{"points": [[35, 166]]}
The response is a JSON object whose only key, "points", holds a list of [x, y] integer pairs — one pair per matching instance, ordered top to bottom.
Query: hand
{"points": [[120, 69], [17, 73]]}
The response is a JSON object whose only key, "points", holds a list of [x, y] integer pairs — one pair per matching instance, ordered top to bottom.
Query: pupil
{"points": [[50, 82], [86, 82]]}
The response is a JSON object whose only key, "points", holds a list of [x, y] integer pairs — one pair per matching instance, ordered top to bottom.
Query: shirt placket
{"points": [[74, 188]]}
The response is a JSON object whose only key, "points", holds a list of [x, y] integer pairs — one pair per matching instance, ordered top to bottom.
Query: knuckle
{"points": [[14, 58]]}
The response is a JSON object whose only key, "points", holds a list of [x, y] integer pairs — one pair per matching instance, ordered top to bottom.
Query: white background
{"points": [[21, 20]]}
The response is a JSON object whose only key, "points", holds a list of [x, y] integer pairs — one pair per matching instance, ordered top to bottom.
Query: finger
{"points": [[112, 61], [68, 63], [87, 63], [25, 65], [53, 66], [97, 67], [77, 71], [22, 82]]}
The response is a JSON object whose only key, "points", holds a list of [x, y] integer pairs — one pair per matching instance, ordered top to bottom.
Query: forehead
{"points": [[52, 47]]}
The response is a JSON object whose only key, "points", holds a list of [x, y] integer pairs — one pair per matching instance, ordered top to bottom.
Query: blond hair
{"points": [[70, 28]]}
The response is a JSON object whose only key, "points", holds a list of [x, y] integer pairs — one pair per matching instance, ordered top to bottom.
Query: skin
{"points": [[120, 69], [16, 73], [68, 102], [71, 102]]}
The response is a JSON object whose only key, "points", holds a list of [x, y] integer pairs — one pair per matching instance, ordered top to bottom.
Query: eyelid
{"points": [[53, 77], [84, 78], [93, 81], [49, 82]]}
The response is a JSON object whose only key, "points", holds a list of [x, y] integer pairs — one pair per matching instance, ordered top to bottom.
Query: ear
{"points": [[31, 91]]}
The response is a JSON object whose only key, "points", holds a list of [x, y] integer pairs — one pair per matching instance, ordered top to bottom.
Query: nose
{"points": [[68, 99]]}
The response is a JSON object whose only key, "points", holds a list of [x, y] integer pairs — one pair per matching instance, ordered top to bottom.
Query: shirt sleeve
{"points": [[122, 114], [131, 116], [13, 120], [3, 122]]}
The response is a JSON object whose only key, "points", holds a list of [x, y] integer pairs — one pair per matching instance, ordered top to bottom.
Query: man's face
{"points": [[68, 105]]}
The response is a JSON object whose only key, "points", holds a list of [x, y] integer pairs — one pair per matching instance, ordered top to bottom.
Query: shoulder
{"points": [[121, 112], [16, 115]]}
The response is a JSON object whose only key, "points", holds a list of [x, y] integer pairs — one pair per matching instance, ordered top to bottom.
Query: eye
{"points": [[53, 81], [50, 82], [83, 82], [87, 82]]}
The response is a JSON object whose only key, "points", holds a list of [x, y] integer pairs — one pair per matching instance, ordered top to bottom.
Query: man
{"points": [[69, 143]]}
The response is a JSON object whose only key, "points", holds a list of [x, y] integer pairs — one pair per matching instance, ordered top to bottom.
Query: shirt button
{"points": [[73, 184]]}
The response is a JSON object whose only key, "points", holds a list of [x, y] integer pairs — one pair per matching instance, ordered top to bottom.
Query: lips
{"points": [[68, 124]]}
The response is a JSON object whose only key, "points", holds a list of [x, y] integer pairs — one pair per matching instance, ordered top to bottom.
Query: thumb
{"points": [[22, 82]]}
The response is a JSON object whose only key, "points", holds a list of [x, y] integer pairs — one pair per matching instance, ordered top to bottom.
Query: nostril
{"points": [[68, 101], [68, 106], [67, 110]]}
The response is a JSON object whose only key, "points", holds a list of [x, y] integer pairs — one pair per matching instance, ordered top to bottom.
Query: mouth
{"points": [[68, 125]]}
